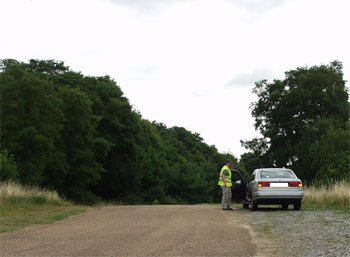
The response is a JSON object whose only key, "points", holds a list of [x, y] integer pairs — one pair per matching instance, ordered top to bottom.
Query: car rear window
{"points": [[276, 174]]}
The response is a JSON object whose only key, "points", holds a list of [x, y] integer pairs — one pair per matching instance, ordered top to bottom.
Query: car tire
{"points": [[254, 205], [297, 205], [285, 206]]}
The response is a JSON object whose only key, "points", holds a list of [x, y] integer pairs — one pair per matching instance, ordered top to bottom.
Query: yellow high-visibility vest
{"points": [[227, 178]]}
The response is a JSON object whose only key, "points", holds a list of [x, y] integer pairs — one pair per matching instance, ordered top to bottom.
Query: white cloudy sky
{"points": [[189, 63]]}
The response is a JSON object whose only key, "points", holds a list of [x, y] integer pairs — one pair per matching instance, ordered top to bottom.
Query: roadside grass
{"points": [[334, 197], [22, 206]]}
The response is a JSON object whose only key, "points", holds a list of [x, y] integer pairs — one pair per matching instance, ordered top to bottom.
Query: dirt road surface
{"points": [[138, 231]]}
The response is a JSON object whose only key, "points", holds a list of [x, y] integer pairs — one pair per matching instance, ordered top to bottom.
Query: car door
{"points": [[251, 183], [239, 186]]}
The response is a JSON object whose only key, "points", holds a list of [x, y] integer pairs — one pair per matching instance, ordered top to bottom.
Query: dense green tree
{"points": [[288, 110], [31, 120], [79, 135], [78, 144], [330, 152], [249, 162], [8, 166]]}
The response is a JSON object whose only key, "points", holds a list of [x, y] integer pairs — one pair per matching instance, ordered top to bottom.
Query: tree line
{"points": [[304, 123], [80, 136]]}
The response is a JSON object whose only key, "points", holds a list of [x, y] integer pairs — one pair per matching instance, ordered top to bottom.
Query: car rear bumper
{"points": [[277, 196]]}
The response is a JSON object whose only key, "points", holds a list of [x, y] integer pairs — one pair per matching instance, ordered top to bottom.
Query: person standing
{"points": [[226, 184]]}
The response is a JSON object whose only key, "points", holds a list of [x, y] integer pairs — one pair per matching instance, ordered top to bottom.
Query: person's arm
{"points": [[223, 179]]}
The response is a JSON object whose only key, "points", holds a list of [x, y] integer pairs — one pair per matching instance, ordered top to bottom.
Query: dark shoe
{"points": [[228, 209]]}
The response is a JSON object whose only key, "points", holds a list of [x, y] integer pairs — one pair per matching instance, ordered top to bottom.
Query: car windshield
{"points": [[276, 174]]}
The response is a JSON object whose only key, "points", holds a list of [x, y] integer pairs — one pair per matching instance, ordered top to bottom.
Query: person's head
{"points": [[228, 163]]}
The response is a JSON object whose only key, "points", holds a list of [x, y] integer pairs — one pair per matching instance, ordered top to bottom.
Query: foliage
{"points": [[303, 121], [80, 136], [330, 153], [249, 162], [8, 166]]}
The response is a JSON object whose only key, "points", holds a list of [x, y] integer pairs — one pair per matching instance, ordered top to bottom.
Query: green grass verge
{"points": [[310, 204], [22, 206], [21, 213]]}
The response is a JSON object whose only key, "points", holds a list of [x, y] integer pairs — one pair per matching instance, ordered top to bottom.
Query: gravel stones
{"points": [[308, 233]]}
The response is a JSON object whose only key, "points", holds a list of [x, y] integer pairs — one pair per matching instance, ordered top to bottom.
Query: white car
{"points": [[277, 186]]}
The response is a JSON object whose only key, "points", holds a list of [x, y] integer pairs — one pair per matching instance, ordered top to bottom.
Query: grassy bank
{"points": [[335, 196], [23, 206]]}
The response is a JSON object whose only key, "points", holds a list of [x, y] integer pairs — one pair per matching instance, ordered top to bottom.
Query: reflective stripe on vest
{"points": [[227, 178]]}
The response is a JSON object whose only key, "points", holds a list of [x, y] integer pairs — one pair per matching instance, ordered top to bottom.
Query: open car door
{"points": [[239, 186]]}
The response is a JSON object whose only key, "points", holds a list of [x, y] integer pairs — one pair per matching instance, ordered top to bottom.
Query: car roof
{"points": [[274, 170]]}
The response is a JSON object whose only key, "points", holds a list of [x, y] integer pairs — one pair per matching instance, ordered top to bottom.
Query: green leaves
{"points": [[289, 114], [30, 120], [80, 136], [330, 153], [8, 166]]}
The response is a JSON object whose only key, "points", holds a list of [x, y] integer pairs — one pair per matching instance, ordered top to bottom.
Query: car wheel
{"points": [[254, 205], [297, 205], [284, 206]]}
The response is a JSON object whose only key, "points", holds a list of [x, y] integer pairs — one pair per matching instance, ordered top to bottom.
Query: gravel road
{"points": [[138, 231], [185, 231], [307, 233]]}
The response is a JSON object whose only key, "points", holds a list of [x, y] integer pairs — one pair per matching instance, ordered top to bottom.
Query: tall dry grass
{"points": [[11, 190], [336, 196], [22, 206]]}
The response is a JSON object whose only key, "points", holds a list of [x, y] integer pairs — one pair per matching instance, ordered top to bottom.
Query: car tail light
{"points": [[263, 184], [295, 184]]}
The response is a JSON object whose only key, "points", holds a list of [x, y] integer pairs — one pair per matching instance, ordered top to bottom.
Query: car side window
{"points": [[235, 176]]}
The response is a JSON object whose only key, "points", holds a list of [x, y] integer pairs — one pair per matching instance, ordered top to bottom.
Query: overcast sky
{"points": [[188, 63]]}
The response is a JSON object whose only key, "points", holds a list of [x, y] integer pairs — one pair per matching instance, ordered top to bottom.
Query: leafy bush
{"points": [[8, 166], [155, 202]]}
